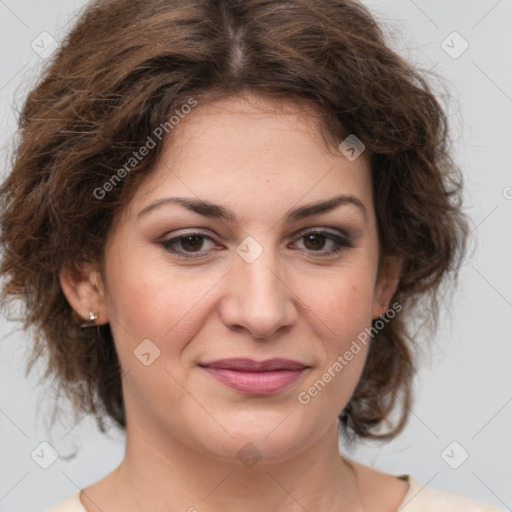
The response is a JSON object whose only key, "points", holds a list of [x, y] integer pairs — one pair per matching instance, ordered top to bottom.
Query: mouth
{"points": [[255, 377]]}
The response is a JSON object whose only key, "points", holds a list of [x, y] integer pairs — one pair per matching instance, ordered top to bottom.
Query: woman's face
{"points": [[251, 284]]}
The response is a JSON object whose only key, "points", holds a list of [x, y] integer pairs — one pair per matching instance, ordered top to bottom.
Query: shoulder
{"points": [[407, 494], [420, 498], [70, 504]]}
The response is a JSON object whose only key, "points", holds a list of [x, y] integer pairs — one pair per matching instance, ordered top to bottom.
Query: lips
{"points": [[250, 365], [255, 377]]}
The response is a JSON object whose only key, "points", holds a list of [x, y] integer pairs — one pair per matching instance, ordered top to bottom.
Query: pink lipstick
{"points": [[255, 377]]}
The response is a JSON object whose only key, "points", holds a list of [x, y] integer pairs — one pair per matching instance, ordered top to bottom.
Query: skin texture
{"points": [[260, 159]]}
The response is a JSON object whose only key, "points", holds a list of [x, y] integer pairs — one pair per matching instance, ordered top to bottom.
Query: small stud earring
{"points": [[92, 320]]}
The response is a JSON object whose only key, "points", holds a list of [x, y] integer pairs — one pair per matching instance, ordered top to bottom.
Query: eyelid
{"points": [[203, 231], [343, 233]]}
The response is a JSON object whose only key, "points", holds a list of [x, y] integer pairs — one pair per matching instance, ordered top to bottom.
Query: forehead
{"points": [[252, 120], [253, 152]]}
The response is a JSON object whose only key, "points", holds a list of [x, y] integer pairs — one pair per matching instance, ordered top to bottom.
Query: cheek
{"points": [[343, 301], [157, 302], [340, 310]]}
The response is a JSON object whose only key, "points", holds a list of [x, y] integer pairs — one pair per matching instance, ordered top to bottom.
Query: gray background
{"points": [[464, 389]]}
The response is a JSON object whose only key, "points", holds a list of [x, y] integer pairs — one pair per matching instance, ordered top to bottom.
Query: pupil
{"points": [[195, 238], [317, 238]]}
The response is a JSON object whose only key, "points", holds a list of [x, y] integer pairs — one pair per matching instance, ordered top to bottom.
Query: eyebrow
{"points": [[215, 211]]}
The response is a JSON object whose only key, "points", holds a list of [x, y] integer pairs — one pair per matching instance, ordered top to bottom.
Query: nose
{"points": [[258, 298]]}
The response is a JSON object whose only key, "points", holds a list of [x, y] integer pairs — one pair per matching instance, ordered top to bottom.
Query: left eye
{"points": [[315, 240], [192, 244]]}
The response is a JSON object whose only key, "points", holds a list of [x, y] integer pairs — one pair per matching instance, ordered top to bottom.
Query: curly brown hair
{"points": [[125, 67]]}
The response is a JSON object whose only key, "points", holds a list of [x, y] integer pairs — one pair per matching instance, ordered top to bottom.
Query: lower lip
{"points": [[260, 383]]}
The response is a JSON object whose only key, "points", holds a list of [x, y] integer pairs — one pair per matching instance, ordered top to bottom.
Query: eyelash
{"points": [[343, 242]]}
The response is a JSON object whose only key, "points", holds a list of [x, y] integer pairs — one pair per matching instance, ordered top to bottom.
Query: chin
{"points": [[260, 442]]}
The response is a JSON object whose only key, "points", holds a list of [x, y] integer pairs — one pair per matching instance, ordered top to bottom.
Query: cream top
{"points": [[417, 499]]}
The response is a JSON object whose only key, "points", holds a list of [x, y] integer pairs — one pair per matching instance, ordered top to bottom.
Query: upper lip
{"points": [[250, 365]]}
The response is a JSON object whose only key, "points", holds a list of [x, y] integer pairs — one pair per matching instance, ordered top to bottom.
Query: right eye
{"points": [[189, 243]]}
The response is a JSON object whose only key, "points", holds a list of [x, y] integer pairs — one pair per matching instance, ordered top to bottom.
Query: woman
{"points": [[220, 216]]}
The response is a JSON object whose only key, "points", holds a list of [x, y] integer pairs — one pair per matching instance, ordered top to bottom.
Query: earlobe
{"points": [[387, 283], [83, 288]]}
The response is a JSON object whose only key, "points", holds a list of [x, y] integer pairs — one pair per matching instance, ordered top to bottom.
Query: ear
{"points": [[386, 284], [84, 290]]}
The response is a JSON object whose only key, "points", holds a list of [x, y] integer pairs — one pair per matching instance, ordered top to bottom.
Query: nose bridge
{"points": [[257, 298]]}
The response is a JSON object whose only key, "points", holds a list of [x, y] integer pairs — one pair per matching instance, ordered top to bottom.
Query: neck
{"points": [[168, 475]]}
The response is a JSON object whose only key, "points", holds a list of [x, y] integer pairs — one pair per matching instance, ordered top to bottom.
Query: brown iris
{"points": [[315, 237], [192, 246]]}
